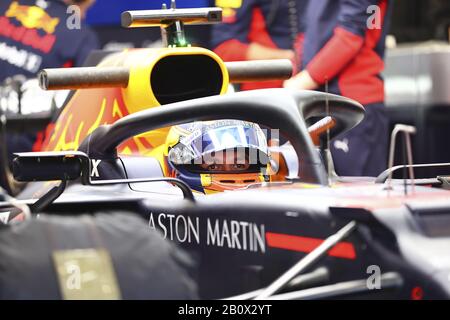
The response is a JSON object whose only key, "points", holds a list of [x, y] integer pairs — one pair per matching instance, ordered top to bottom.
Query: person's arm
{"points": [[230, 39], [343, 46]]}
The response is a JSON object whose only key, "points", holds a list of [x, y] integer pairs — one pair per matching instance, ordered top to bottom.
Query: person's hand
{"points": [[301, 81]]}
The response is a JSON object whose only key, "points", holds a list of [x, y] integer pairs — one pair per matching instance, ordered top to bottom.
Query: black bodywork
{"points": [[243, 240]]}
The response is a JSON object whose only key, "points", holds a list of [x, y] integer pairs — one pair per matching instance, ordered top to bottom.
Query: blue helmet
{"points": [[214, 156]]}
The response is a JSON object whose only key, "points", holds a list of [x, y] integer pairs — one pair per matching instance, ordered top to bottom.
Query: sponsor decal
{"points": [[32, 17], [28, 37], [20, 58], [342, 145], [94, 172], [231, 234], [238, 235]]}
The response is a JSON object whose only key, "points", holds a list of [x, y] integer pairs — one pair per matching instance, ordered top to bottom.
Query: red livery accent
{"points": [[336, 54], [343, 250]]}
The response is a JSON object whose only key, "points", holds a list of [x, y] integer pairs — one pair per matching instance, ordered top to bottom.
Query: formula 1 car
{"points": [[310, 235]]}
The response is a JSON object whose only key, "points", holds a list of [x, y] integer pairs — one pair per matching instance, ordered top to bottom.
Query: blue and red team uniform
{"points": [[266, 22], [35, 35], [343, 45]]}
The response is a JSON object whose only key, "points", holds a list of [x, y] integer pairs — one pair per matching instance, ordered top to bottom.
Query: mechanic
{"points": [[257, 30], [37, 34], [343, 53], [215, 156]]}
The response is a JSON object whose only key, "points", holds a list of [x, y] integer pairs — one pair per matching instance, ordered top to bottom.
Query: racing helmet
{"points": [[214, 156]]}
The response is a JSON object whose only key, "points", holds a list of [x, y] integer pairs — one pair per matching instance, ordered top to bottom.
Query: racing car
{"points": [[307, 234]]}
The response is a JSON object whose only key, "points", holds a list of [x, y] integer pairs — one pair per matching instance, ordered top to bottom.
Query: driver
{"points": [[215, 156]]}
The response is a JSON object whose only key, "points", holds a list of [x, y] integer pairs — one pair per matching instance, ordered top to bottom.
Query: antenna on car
{"points": [[171, 21], [407, 131], [328, 152]]}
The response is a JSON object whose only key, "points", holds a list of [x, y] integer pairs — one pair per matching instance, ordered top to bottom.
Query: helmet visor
{"points": [[217, 137]]}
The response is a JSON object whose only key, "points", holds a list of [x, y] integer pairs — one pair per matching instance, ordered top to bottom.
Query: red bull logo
{"points": [[32, 17]]}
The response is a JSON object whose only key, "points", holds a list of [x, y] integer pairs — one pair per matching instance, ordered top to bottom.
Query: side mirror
{"points": [[49, 166], [66, 166]]}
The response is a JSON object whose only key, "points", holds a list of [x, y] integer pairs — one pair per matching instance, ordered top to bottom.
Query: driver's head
{"points": [[219, 155]]}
